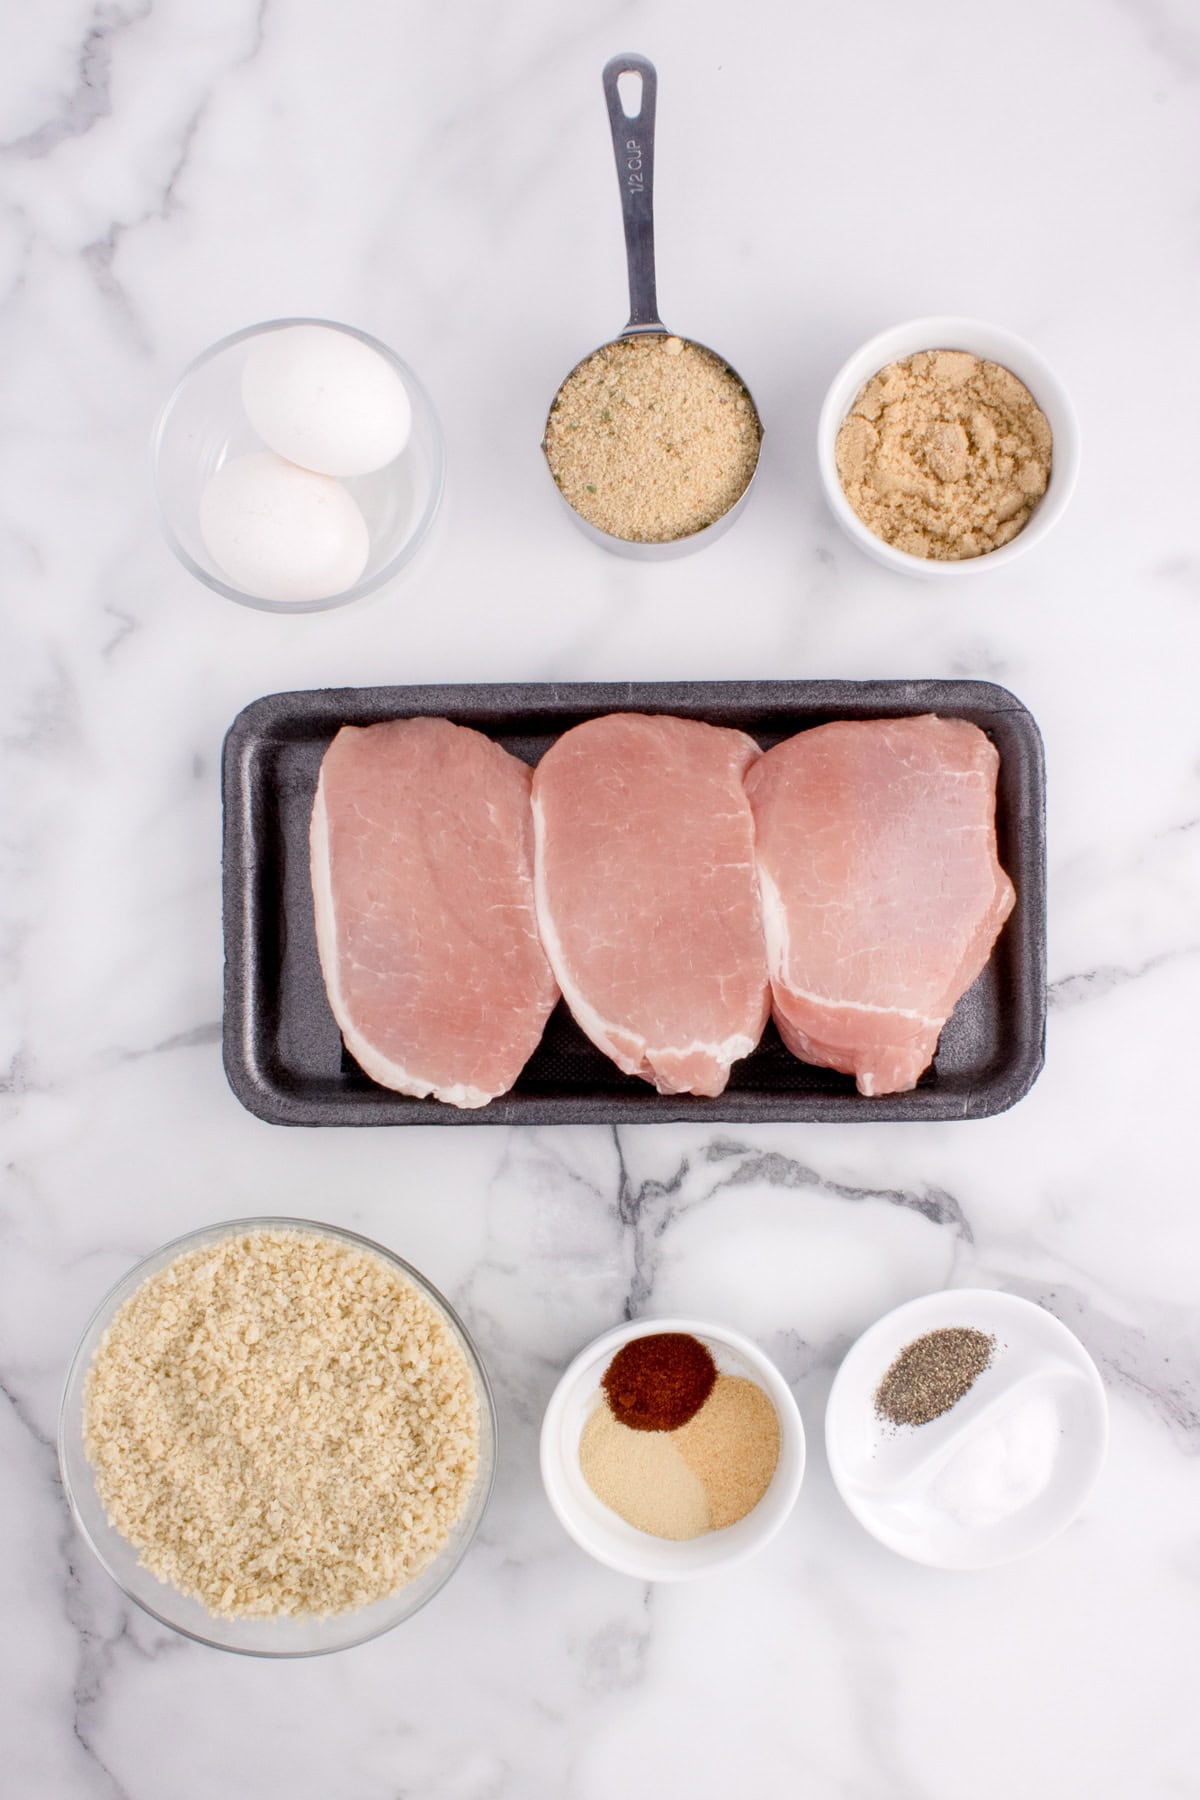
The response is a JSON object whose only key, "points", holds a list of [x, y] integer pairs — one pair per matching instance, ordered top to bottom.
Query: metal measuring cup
{"points": [[633, 148]]}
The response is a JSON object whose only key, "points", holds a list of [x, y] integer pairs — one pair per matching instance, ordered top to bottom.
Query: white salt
{"points": [[1001, 1467]]}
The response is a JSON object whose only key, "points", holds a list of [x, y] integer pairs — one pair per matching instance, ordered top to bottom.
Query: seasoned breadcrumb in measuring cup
{"points": [[652, 438]]}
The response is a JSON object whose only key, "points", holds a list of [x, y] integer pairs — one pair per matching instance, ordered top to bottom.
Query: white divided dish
{"points": [[1002, 1471], [602, 1532]]}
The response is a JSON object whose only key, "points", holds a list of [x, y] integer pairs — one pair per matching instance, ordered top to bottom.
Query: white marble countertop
{"points": [[442, 178]]}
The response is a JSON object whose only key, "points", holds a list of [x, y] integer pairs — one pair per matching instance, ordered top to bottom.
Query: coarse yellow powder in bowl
{"points": [[652, 438], [944, 455], [284, 1425], [706, 1474]]}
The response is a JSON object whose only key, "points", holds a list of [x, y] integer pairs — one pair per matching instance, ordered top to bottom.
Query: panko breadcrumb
{"points": [[652, 438], [281, 1423]]}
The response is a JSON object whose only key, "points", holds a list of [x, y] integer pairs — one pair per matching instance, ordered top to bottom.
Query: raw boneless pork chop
{"points": [[422, 877], [882, 893], [647, 897]]}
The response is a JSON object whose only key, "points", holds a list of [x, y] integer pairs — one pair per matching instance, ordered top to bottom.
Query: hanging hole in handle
{"points": [[629, 91]]}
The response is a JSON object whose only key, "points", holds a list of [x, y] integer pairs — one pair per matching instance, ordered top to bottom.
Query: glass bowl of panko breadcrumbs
{"points": [[277, 1437]]}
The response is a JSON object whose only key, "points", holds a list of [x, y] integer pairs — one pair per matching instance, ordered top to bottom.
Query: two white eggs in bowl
{"points": [[298, 465]]}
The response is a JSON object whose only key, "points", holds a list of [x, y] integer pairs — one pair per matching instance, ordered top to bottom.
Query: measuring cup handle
{"points": [[633, 147]]}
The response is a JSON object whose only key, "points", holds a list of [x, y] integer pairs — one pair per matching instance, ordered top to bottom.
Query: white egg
{"points": [[325, 400], [282, 533]]}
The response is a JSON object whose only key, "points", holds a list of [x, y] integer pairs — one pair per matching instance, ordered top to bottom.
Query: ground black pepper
{"points": [[931, 1374], [659, 1382]]}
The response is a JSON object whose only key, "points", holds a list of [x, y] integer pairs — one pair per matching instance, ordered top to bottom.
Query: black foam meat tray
{"points": [[284, 1054]]}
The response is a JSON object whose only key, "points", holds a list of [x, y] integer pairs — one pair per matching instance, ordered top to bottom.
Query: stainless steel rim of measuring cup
{"points": [[633, 150]]}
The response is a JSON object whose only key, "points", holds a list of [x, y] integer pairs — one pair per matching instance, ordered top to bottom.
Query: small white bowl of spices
{"points": [[947, 446], [966, 1428], [277, 1437], [672, 1447]]}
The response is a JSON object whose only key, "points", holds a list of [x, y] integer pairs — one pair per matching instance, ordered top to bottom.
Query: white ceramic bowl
{"points": [[994, 344], [203, 424], [889, 1475], [606, 1536], [278, 1637]]}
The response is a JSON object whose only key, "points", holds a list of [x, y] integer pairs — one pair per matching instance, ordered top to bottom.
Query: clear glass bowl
{"points": [[203, 424], [284, 1636]]}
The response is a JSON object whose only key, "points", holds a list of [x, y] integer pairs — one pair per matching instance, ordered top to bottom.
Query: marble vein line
{"points": [[91, 97], [91, 101], [100, 255], [124, 626], [50, 717], [1093, 984], [192, 1038], [15, 1078], [777, 1170], [633, 1208], [647, 1211], [1161, 1371], [27, 1422], [91, 1662], [94, 1664]]}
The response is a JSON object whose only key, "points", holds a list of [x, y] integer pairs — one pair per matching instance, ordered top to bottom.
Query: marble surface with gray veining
{"points": [[442, 177]]}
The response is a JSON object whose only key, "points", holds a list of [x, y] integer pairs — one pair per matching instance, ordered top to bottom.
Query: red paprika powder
{"points": [[658, 1383]]}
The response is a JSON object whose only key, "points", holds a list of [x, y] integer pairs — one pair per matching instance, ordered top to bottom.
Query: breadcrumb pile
{"points": [[652, 438], [282, 1424]]}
